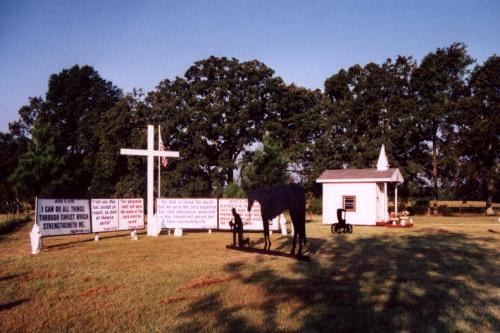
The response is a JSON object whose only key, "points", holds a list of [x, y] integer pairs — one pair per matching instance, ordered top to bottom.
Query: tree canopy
{"points": [[438, 118], [64, 129], [266, 167]]}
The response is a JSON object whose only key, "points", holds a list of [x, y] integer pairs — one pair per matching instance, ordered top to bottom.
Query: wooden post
{"points": [[396, 199], [386, 205]]}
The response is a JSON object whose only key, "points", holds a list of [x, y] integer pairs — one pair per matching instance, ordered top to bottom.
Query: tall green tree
{"points": [[439, 84], [173, 107], [364, 108], [358, 114], [210, 116], [438, 120], [292, 121], [124, 125], [65, 129], [401, 130], [479, 135], [11, 148], [329, 150], [266, 167], [40, 171]]}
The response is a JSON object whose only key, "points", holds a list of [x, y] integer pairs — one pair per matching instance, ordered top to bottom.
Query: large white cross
{"points": [[150, 153]]}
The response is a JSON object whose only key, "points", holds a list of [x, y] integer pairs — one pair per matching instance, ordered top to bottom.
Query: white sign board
{"points": [[131, 212], [187, 213], [117, 214], [104, 215], [63, 216], [251, 220]]}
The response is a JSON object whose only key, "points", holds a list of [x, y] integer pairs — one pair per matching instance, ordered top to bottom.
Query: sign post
{"points": [[150, 153]]}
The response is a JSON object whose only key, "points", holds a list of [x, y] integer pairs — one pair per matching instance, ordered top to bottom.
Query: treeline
{"points": [[439, 120]]}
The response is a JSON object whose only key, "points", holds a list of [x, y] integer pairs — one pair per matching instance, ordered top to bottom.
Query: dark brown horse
{"points": [[274, 201]]}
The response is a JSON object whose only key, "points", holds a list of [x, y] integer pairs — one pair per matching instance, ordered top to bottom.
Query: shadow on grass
{"points": [[12, 224], [67, 245], [285, 245], [272, 253], [10, 277], [423, 282], [10, 305]]}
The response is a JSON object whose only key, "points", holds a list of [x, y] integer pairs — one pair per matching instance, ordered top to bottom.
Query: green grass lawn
{"points": [[440, 276]]}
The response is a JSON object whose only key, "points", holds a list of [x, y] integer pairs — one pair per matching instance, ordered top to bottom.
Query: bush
{"points": [[267, 167], [234, 190], [422, 202], [315, 205], [419, 207], [418, 210], [444, 210], [469, 210]]}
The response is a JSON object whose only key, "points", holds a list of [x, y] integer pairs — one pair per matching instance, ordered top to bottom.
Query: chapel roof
{"points": [[360, 176]]}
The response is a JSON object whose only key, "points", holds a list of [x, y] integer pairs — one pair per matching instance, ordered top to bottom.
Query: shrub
{"points": [[234, 190], [422, 202], [315, 205], [418, 210], [445, 210]]}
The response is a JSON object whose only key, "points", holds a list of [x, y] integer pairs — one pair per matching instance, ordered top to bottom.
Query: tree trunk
{"points": [[229, 175], [435, 176], [489, 189], [489, 207]]}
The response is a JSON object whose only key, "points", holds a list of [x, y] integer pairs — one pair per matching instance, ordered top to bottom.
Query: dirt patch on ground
{"points": [[89, 278], [207, 280], [95, 291], [174, 299]]}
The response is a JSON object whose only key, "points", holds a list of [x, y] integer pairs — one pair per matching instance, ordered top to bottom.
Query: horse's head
{"points": [[259, 194]]}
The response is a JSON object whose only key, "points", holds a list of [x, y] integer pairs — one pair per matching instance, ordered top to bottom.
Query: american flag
{"points": [[164, 159]]}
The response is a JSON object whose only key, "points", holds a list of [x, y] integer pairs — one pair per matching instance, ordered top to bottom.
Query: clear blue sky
{"points": [[138, 43]]}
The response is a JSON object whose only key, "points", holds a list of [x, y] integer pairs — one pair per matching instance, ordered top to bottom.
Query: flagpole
{"points": [[159, 164]]}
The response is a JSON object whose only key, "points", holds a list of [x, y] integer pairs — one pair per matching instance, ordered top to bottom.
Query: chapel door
{"points": [[380, 202]]}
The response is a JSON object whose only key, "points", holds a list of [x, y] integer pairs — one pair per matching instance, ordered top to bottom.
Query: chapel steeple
{"points": [[382, 164]]}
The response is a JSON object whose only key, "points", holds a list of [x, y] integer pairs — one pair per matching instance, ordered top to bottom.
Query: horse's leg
{"points": [[301, 217], [300, 223], [265, 226], [296, 230], [268, 238], [294, 241], [299, 253]]}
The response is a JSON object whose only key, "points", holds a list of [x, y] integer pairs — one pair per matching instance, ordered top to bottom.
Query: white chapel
{"points": [[361, 192]]}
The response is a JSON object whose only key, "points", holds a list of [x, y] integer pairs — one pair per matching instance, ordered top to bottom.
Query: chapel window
{"points": [[349, 203]]}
